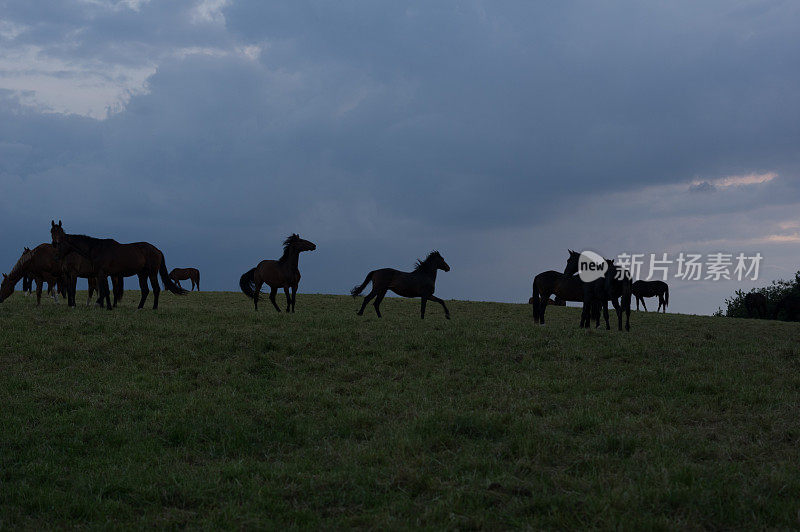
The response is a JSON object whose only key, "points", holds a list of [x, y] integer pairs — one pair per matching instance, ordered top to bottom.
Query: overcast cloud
{"points": [[500, 133]]}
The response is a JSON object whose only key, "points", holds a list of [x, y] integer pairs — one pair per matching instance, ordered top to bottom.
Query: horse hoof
{"points": [[447, 316]]}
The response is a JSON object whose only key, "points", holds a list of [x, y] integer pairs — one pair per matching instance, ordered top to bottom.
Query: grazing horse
{"points": [[110, 258], [39, 264], [75, 265], [281, 273], [182, 274], [418, 283], [615, 285], [643, 289], [755, 303]]}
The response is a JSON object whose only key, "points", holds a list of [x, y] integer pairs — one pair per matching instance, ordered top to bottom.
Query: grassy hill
{"points": [[206, 413]]}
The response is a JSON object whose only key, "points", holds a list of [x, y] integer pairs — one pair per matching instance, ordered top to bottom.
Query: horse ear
{"points": [[52, 223], [59, 223], [5, 276]]}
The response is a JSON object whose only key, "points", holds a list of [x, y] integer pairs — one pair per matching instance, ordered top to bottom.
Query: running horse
{"points": [[110, 258], [282, 273], [182, 274], [419, 283]]}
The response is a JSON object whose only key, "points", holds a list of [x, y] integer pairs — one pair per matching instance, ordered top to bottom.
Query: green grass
{"points": [[207, 414]]}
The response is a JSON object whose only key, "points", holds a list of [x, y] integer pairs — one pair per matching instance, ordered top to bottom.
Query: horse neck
{"points": [[80, 246], [290, 258], [428, 270]]}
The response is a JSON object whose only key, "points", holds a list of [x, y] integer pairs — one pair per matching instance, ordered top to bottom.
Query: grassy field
{"points": [[206, 414]]}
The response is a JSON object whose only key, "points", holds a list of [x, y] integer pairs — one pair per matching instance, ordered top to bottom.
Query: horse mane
{"points": [[291, 239], [24, 259], [422, 263]]}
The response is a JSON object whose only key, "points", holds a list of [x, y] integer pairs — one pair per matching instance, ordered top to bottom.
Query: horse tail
{"points": [[197, 281], [168, 284], [248, 284], [359, 288], [666, 297], [535, 300]]}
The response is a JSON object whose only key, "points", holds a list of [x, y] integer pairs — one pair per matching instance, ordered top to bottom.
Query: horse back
{"points": [[274, 273]]}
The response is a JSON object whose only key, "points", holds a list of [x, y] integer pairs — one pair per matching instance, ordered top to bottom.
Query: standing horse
{"points": [[110, 258], [75, 265], [281, 273], [182, 274], [418, 283], [615, 285], [565, 287], [643, 289], [755, 303]]}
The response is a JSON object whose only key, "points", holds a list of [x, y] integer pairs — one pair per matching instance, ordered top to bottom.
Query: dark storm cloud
{"points": [[361, 119]]}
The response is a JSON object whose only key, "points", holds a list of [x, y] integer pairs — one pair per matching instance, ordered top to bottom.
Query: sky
{"points": [[500, 133]]}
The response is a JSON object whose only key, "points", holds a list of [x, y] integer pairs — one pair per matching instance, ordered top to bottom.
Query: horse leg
{"points": [[259, 284], [39, 285], [156, 288], [145, 290], [272, 291], [106, 292], [294, 296], [288, 298], [544, 298], [366, 300], [438, 300], [423, 301], [377, 303], [643, 305], [618, 310], [605, 314]]}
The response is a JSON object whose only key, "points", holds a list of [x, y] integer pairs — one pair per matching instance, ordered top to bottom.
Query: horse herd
{"points": [[70, 256]]}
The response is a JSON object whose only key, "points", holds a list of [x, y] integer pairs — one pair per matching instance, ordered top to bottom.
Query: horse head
{"points": [[59, 238], [298, 244], [571, 267], [6, 288]]}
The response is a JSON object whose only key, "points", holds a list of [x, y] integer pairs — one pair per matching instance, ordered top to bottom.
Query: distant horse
{"points": [[110, 258], [75, 265], [282, 273], [182, 274], [418, 283], [615, 285], [566, 287], [643, 289], [755, 303], [789, 305]]}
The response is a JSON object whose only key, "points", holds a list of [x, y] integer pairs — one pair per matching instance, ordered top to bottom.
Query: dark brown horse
{"points": [[110, 258], [39, 264], [74, 266], [281, 273], [182, 274], [419, 283], [615, 285], [565, 287], [643, 289], [755, 304]]}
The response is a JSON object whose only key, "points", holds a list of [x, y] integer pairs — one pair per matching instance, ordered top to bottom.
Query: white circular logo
{"points": [[591, 266]]}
